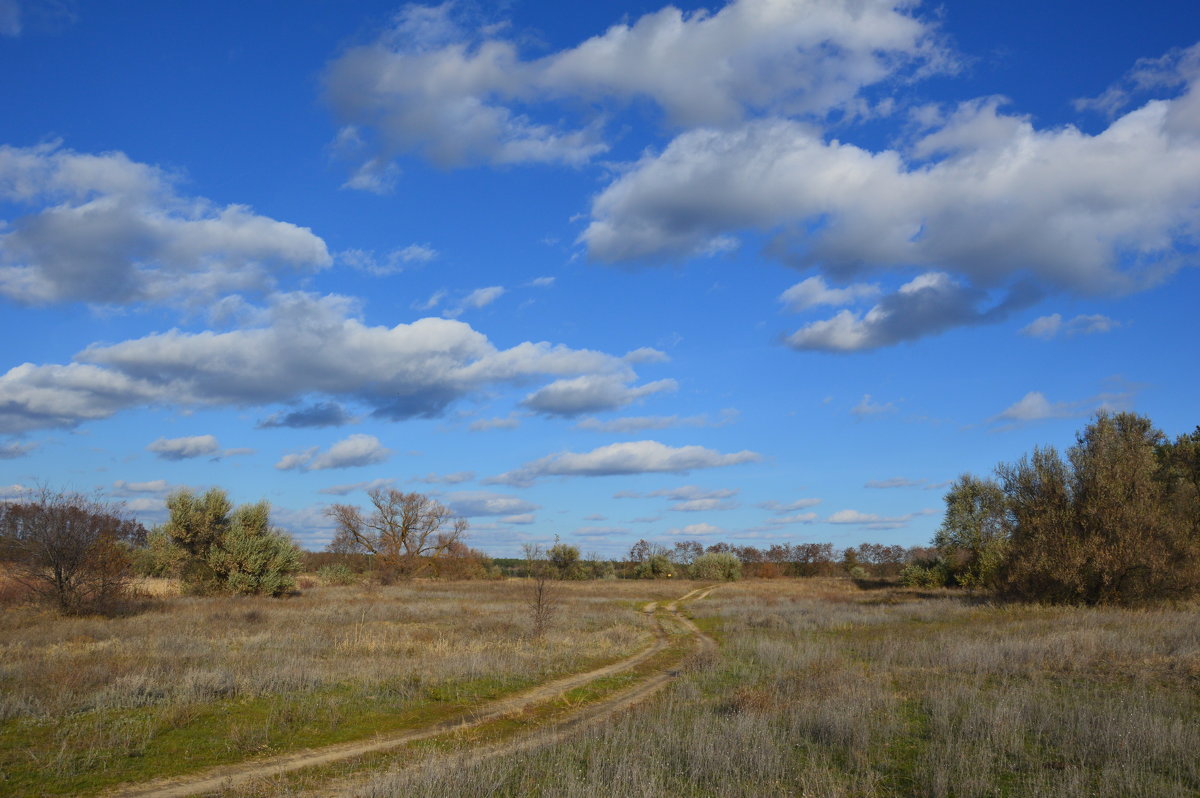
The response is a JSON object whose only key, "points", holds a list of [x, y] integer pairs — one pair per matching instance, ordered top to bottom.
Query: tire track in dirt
{"points": [[227, 777]]}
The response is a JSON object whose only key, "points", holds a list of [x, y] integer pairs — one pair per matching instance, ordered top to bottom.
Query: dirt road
{"points": [[231, 776]]}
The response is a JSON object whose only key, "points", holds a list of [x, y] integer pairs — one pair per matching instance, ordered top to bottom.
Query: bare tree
{"points": [[404, 531], [70, 550], [543, 595]]}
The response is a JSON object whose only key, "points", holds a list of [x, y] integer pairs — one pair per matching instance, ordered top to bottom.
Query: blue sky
{"points": [[769, 271]]}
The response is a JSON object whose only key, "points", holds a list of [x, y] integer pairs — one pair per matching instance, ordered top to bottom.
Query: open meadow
{"points": [[815, 687]]}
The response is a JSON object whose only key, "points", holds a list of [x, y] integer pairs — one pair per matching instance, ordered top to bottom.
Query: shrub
{"points": [[70, 550], [226, 550], [656, 566], [721, 566], [928, 573]]}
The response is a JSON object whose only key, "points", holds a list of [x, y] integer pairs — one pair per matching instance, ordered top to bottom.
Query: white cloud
{"points": [[454, 92], [1005, 210], [105, 229], [390, 263], [542, 282], [814, 291], [482, 297], [930, 303], [1047, 327], [304, 346], [646, 354], [591, 393], [1034, 406], [866, 407], [511, 421], [634, 424], [185, 448], [12, 450], [350, 452], [639, 457], [454, 478], [896, 482], [382, 483], [123, 488], [12, 491], [471, 504], [703, 506], [789, 507], [522, 518], [787, 520], [873, 521], [695, 531]]}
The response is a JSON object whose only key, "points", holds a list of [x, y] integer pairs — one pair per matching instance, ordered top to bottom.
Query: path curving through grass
{"points": [[230, 777]]}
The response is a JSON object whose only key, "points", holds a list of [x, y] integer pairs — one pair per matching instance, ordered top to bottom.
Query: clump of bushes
{"points": [[214, 547], [721, 566], [337, 573]]}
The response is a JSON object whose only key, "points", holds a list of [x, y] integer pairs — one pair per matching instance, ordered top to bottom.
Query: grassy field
{"points": [[193, 682], [816, 688], [820, 689]]}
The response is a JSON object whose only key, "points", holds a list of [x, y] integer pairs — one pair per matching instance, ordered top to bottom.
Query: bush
{"points": [[226, 550], [70, 551], [656, 566], [722, 566], [928, 574]]}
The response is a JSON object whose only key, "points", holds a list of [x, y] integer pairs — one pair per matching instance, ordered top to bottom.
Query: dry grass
{"points": [[823, 690], [88, 701]]}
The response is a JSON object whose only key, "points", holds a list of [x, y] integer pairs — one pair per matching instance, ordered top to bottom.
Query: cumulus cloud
{"points": [[441, 86], [1004, 210], [109, 230], [814, 291], [928, 304], [1047, 327], [304, 345], [591, 393], [1034, 406], [321, 414], [185, 448], [351, 452], [639, 457], [15, 491], [471, 504], [703, 506], [873, 521], [695, 531]]}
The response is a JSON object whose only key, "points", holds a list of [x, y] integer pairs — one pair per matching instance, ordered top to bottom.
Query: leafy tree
{"points": [[1112, 524], [404, 532], [973, 536], [224, 549], [70, 550], [565, 560], [655, 566]]}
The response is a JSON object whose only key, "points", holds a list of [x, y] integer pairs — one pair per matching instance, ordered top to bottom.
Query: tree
{"points": [[1110, 525], [403, 533], [973, 536], [227, 549], [70, 550], [565, 560], [543, 596]]}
